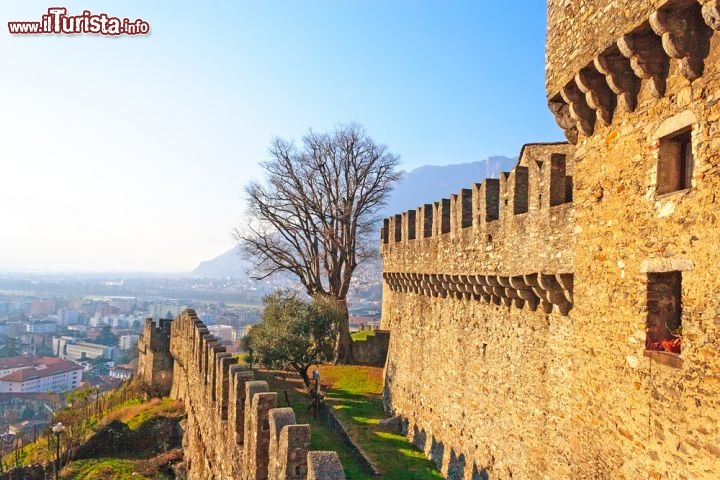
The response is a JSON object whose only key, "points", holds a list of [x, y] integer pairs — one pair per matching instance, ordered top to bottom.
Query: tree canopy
{"points": [[315, 214], [294, 333]]}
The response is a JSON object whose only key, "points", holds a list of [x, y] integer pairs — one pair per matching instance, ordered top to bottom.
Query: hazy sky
{"points": [[130, 153]]}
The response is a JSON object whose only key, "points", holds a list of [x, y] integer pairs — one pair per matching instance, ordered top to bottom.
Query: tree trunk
{"points": [[343, 345], [302, 370]]}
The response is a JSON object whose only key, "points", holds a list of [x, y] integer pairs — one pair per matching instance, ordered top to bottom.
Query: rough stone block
{"points": [[278, 418], [257, 434], [293, 447], [324, 466]]}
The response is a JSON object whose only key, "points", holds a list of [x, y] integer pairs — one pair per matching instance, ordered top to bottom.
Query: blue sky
{"points": [[130, 153]]}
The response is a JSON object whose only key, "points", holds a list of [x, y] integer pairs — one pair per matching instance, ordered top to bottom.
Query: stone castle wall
{"points": [[478, 320], [372, 350], [492, 387], [235, 429]]}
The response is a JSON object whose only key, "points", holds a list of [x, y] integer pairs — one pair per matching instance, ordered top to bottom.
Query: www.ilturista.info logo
{"points": [[58, 22]]}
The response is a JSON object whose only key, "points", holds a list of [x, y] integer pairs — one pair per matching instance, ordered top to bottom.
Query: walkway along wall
{"points": [[518, 343], [235, 429]]}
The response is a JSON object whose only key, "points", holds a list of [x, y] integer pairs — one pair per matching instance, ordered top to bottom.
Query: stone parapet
{"points": [[506, 240], [373, 349], [234, 429]]}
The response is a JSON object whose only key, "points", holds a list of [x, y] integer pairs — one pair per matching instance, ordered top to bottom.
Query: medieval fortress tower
{"points": [[562, 321]]}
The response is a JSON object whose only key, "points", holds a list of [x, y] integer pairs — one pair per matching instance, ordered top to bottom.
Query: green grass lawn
{"points": [[362, 335], [354, 396], [108, 469]]}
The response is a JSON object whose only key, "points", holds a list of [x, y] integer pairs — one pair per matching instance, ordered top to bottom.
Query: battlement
{"points": [[600, 55], [500, 241], [156, 337], [155, 363], [235, 428]]}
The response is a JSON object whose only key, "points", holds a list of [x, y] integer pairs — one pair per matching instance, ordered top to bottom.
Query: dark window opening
{"points": [[675, 163], [664, 311]]}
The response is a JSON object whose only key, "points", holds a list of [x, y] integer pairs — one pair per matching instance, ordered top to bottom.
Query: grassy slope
{"points": [[355, 397], [134, 414]]}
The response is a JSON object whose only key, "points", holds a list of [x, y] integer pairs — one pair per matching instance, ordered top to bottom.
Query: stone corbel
{"points": [[711, 14], [684, 37], [647, 59], [620, 77], [598, 94], [580, 111], [561, 112], [566, 282], [550, 284], [524, 293]]}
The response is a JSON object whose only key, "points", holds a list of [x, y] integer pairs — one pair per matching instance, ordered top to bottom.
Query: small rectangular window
{"points": [[675, 162], [664, 312]]}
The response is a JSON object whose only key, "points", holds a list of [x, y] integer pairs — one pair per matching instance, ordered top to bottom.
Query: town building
{"points": [[42, 307], [41, 326], [223, 332], [128, 342], [71, 348], [33, 374]]}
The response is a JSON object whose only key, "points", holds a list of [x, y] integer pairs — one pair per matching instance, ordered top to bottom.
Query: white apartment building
{"points": [[41, 326], [223, 332], [128, 342], [70, 348], [121, 372], [32, 374]]}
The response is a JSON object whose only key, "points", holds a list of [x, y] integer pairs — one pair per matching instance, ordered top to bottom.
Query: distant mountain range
{"points": [[431, 183], [419, 186], [228, 264]]}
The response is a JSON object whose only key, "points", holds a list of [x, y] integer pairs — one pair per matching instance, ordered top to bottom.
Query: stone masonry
{"points": [[518, 307], [155, 363], [234, 428]]}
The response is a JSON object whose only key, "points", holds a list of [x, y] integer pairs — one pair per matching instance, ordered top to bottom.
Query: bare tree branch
{"points": [[315, 211]]}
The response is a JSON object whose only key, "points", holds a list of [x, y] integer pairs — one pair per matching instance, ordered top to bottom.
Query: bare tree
{"points": [[314, 214]]}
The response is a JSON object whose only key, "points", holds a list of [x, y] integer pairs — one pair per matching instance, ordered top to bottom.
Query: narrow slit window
{"points": [[675, 162], [664, 312]]}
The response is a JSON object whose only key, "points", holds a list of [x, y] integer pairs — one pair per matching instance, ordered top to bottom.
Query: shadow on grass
{"points": [[394, 456]]}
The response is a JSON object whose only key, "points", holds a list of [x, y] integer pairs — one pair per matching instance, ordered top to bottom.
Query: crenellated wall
{"points": [[506, 240], [491, 386], [234, 428]]}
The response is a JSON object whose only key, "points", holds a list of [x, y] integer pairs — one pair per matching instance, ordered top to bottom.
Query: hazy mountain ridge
{"points": [[431, 183], [422, 185], [228, 264]]}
